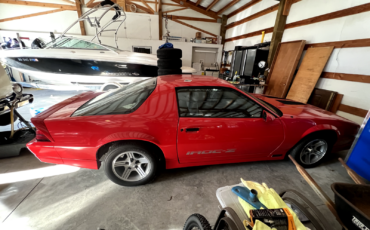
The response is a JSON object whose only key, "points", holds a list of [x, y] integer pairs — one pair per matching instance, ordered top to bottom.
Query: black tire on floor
{"points": [[169, 53], [169, 63], [169, 71], [5, 119], [139, 151], [298, 153], [197, 221]]}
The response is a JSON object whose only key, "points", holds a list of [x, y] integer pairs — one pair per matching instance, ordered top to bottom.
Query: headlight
{"points": [[18, 89]]}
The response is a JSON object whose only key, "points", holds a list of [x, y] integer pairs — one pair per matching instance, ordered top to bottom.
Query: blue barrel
{"points": [[359, 156]]}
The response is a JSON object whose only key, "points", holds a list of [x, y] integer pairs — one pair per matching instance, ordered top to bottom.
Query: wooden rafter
{"points": [[68, 1], [198, 2], [89, 3], [122, 3], [39, 4], [166, 4], [211, 5], [147, 6], [227, 6], [246, 6], [140, 7], [199, 9], [168, 11], [79, 13], [31, 15], [256, 15], [253, 16], [191, 18], [193, 27]]}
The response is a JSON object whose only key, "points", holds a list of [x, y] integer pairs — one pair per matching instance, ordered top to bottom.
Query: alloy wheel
{"points": [[314, 151], [131, 166]]}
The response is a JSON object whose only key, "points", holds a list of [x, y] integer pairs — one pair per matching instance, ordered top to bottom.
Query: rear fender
{"points": [[322, 127], [128, 136]]}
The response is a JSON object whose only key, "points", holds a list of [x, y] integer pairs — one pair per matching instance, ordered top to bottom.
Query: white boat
{"points": [[70, 61]]}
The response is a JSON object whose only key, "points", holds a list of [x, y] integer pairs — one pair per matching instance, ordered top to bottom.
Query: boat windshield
{"points": [[73, 43]]}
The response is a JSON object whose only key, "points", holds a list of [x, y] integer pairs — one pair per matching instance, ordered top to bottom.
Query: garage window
{"points": [[215, 102]]}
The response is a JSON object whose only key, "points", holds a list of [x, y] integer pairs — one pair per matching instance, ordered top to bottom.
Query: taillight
{"points": [[41, 137]]}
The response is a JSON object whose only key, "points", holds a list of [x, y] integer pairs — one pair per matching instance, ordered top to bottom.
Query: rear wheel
{"points": [[311, 151], [130, 165], [197, 222]]}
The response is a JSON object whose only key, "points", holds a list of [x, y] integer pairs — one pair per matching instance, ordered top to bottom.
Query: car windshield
{"points": [[74, 43], [119, 101], [268, 105]]}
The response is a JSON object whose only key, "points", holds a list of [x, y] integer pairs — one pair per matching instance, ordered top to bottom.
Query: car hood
{"points": [[299, 110]]}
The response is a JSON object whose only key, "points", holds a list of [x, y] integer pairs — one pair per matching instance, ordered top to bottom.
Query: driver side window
{"points": [[215, 102]]}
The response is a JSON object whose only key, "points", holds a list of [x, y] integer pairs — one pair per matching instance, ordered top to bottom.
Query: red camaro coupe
{"points": [[180, 121]]}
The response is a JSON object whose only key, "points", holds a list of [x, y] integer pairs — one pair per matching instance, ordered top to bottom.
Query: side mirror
{"points": [[267, 116]]}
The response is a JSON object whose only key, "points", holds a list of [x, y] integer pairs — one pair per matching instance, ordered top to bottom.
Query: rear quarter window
{"points": [[120, 101]]}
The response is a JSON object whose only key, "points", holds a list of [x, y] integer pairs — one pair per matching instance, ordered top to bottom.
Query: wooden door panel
{"points": [[283, 67]]}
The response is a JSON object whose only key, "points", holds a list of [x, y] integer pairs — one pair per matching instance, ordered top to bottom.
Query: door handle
{"points": [[192, 129]]}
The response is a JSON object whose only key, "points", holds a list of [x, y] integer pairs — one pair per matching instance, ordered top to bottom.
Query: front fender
{"points": [[321, 127]]}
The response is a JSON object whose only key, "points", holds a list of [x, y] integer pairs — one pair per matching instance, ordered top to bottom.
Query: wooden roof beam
{"points": [[69, 1], [198, 2], [39, 4], [167, 4], [212, 4], [147, 6], [246, 6], [140, 7], [227, 7], [199, 9], [168, 11], [31, 15], [191, 18], [193, 27]]}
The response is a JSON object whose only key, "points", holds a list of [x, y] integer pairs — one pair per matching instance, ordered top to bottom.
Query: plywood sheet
{"points": [[283, 67], [309, 73]]}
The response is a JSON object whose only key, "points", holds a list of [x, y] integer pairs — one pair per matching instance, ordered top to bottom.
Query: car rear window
{"points": [[119, 101]]}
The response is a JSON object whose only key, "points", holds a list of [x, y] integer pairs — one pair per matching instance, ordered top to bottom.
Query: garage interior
{"points": [[311, 57]]}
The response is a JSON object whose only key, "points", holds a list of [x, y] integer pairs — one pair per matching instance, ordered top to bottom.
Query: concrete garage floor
{"points": [[35, 195]]}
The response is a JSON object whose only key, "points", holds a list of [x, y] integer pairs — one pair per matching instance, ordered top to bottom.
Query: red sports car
{"points": [[180, 121]]}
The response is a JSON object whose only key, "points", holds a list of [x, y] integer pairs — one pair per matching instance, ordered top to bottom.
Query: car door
{"points": [[222, 124]]}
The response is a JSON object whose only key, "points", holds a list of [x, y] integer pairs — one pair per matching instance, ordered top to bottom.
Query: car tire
{"points": [[169, 53], [169, 63], [169, 71], [5, 119], [312, 150], [131, 165], [197, 221]]}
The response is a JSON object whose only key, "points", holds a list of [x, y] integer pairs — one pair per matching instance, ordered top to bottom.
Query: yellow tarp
{"points": [[270, 199]]}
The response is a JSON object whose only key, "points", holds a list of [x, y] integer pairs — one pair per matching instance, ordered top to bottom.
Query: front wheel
{"points": [[311, 151], [130, 165], [197, 222]]}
